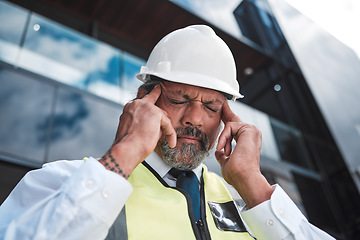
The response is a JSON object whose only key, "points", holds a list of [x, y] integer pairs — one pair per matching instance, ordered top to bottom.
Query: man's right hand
{"points": [[140, 128]]}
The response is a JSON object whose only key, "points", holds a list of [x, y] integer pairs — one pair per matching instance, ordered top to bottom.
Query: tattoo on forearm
{"points": [[110, 163]]}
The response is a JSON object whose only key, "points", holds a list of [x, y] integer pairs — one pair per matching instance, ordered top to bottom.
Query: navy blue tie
{"points": [[188, 181]]}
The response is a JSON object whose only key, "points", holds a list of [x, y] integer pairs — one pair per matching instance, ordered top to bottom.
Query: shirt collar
{"points": [[163, 168]]}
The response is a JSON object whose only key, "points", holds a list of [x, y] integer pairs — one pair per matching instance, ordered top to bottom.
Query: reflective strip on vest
{"points": [[156, 211]]}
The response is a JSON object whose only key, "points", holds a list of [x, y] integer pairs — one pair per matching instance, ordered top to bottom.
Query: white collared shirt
{"points": [[163, 169], [81, 200]]}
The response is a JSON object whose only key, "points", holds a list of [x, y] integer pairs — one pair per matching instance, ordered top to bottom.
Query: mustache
{"points": [[194, 132]]}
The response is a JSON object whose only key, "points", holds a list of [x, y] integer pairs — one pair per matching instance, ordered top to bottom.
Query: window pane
{"points": [[12, 23], [61, 54], [25, 113], [83, 125], [291, 144]]}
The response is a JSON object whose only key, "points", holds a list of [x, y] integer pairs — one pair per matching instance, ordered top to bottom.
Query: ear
{"points": [[141, 93]]}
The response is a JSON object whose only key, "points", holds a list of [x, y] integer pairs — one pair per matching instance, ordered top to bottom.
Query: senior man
{"points": [[151, 184]]}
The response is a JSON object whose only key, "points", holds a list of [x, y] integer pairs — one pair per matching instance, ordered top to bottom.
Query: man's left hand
{"points": [[241, 167]]}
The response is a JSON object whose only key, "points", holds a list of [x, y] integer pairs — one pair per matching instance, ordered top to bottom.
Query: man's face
{"points": [[195, 113]]}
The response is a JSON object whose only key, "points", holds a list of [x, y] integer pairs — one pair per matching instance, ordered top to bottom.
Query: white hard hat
{"points": [[194, 55]]}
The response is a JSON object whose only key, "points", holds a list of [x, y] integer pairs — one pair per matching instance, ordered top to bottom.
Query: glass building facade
{"points": [[44, 47], [303, 76], [58, 86], [68, 87], [62, 92]]}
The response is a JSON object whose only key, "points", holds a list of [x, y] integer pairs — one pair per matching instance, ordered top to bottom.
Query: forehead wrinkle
{"points": [[181, 92], [188, 95]]}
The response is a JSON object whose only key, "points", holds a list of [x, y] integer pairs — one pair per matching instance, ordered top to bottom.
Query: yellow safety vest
{"points": [[156, 211]]}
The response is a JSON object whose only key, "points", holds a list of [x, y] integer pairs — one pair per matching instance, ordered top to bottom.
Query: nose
{"points": [[193, 114]]}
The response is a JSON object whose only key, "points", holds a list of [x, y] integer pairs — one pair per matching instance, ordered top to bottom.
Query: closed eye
{"points": [[174, 101], [211, 107]]}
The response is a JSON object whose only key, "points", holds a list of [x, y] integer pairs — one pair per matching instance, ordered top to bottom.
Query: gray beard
{"points": [[190, 155]]}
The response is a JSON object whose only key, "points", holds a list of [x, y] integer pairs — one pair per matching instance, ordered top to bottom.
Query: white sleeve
{"points": [[64, 200], [279, 218]]}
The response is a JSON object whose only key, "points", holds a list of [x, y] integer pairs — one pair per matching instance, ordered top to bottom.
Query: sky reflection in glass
{"points": [[219, 13], [12, 22], [61, 54]]}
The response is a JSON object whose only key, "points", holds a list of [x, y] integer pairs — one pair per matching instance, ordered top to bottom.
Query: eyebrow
{"points": [[183, 93]]}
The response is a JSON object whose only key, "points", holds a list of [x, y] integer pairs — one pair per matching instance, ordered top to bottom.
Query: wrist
{"points": [[122, 158], [253, 189]]}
